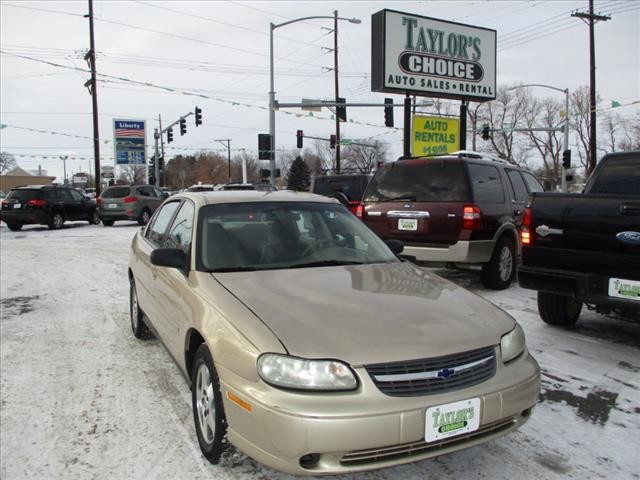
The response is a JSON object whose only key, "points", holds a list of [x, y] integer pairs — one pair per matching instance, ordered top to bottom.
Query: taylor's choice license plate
{"points": [[112, 205], [408, 224], [621, 288], [452, 419]]}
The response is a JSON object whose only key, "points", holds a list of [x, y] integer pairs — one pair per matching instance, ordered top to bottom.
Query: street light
{"points": [[272, 93], [64, 164], [563, 180]]}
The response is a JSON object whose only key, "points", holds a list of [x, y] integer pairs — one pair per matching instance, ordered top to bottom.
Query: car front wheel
{"points": [[94, 218], [56, 221], [107, 223], [14, 227], [558, 310], [208, 410]]}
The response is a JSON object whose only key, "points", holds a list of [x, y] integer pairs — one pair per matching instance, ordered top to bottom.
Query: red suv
{"points": [[461, 208]]}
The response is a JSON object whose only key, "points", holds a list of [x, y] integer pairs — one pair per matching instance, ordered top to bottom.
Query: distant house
{"points": [[19, 177]]}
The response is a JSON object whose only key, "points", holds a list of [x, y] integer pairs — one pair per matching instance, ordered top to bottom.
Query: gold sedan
{"points": [[311, 346]]}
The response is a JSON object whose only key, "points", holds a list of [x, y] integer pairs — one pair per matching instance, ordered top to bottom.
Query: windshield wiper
{"points": [[408, 198], [325, 263], [234, 269]]}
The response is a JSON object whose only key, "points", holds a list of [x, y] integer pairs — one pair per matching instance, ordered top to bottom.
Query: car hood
{"points": [[366, 314]]}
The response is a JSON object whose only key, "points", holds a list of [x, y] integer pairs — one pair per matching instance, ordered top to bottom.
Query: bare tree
{"points": [[546, 113], [580, 121], [631, 138], [364, 155], [7, 162], [132, 174]]}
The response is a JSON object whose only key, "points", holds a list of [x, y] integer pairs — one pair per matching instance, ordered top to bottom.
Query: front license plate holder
{"points": [[410, 224], [622, 288], [452, 419]]}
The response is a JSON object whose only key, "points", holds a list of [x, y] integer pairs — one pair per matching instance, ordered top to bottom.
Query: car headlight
{"points": [[512, 344], [302, 374]]}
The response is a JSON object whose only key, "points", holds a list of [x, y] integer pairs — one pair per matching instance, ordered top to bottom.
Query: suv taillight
{"points": [[130, 199], [99, 200], [36, 202], [5, 203], [359, 211], [471, 217], [525, 230]]}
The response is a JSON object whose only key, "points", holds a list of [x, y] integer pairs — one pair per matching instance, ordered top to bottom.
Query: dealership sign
{"points": [[434, 58], [434, 135], [129, 142]]}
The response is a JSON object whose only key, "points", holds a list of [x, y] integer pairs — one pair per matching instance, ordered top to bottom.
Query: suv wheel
{"points": [[144, 217], [94, 218], [56, 221], [107, 223], [14, 227], [498, 273], [558, 310], [139, 328], [208, 410]]}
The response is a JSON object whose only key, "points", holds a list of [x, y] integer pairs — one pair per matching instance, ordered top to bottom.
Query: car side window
{"points": [[532, 182], [486, 184], [517, 184], [145, 192], [156, 192], [65, 195], [77, 196], [156, 230], [179, 235]]}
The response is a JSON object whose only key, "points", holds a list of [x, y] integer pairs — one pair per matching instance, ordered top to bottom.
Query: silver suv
{"points": [[129, 202]]}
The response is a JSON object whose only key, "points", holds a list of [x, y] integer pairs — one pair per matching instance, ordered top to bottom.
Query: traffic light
{"points": [[341, 112], [388, 112], [198, 113], [183, 126], [485, 132], [170, 135], [299, 137], [332, 141], [264, 146], [566, 159]]}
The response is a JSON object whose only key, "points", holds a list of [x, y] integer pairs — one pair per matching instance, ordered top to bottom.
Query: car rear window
{"points": [[618, 176], [432, 181], [352, 187], [116, 192], [24, 194]]}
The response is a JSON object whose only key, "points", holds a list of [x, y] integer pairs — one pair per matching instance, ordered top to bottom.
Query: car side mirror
{"points": [[164, 195], [396, 246], [169, 257]]}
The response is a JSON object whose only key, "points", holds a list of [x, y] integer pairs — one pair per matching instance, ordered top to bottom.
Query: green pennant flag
{"points": [[615, 103]]}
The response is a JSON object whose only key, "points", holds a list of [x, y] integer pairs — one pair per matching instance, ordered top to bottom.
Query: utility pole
{"points": [[592, 18], [91, 58], [335, 75], [227, 142], [161, 152], [64, 167]]}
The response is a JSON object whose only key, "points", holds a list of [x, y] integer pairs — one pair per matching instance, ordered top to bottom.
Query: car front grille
{"points": [[434, 375], [373, 455]]}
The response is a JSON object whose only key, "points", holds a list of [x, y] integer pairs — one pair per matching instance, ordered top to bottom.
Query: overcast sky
{"points": [[221, 50]]}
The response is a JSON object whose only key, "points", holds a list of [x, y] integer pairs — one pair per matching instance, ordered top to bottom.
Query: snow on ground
{"points": [[81, 398]]}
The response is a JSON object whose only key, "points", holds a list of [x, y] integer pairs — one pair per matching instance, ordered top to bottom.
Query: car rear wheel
{"points": [[144, 217], [94, 218], [56, 221], [107, 223], [14, 227], [499, 272], [558, 310], [139, 328], [208, 410]]}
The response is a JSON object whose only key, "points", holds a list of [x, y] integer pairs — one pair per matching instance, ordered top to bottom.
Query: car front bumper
{"points": [[477, 251], [365, 429]]}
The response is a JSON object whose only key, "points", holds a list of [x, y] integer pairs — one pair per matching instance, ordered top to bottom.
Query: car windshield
{"points": [[277, 235]]}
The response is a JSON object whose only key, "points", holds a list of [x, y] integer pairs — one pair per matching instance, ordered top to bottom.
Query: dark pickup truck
{"points": [[585, 248]]}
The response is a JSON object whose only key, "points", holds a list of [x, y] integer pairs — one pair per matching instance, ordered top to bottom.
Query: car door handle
{"points": [[630, 209]]}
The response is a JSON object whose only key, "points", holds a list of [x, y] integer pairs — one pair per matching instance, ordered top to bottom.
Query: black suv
{"points": [[347, 188], [46, 205], [462, 208]]}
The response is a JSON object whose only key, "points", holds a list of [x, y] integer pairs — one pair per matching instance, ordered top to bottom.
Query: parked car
{"points": [[346, 188], [129, 202], [46, 205], [462, 208], [585, 248], [310, 346]]}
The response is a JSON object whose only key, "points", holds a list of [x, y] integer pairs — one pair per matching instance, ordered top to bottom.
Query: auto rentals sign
{"points": [[435, 58]]}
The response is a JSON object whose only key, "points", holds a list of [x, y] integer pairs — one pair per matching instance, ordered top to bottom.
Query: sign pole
{"points": [[463, 124], [407, 126], [161, 153], [156, 157]]}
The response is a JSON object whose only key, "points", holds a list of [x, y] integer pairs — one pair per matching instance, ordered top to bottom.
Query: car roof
{"points": [[250, 196]]}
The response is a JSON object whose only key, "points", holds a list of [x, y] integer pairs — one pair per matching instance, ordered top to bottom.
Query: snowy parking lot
{"points": [[80, 397]]}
